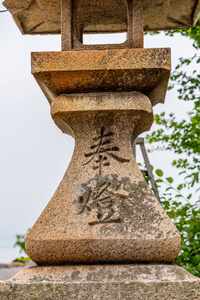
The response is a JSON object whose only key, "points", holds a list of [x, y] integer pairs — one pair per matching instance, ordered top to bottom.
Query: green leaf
{"points": [[159, 172], [170, 179], [158, 180], [180, 187], [169, 188], [185, 254], [23, 259], [195, 259]]}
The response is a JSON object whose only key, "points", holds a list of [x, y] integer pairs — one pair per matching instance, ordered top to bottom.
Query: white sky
{"points": [[34, 153]]}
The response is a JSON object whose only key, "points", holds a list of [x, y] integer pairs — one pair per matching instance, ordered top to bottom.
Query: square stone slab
{"points": [[67, 72], [110, 282]]}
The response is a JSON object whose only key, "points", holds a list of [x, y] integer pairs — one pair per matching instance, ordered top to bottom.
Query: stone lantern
{"points": [[103, 214]]}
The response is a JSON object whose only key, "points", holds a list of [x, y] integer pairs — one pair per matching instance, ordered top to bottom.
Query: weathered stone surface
{"points": [[79, 14], [44, 16], [143, 70], [103, 210], [130, 282]]}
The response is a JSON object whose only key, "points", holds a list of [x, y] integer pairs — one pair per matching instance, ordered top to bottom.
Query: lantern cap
{"points": [[104, 16]]}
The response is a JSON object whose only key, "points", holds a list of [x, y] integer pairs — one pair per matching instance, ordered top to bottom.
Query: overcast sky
{"points": [[34, 153]]}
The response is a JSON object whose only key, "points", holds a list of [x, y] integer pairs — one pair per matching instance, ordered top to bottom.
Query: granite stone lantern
{"points": [[103, 234]]}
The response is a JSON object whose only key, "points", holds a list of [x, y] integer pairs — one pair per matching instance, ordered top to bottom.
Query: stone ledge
{"points": [[68, 72], [144, 281]]}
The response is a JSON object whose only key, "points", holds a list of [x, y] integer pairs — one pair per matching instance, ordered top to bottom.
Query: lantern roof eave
{"points": [[44, 17]]}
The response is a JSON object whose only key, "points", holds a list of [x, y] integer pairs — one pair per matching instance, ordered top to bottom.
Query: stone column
{"points": [[103, 210]]}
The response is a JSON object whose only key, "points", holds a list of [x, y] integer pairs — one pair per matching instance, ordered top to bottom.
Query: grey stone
{"points": [[144, 281]]}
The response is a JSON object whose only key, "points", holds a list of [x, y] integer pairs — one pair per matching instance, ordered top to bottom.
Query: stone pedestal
{"points": [[103, 210], [100, 282]]}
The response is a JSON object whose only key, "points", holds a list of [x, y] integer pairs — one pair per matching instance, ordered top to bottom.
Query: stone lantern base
{"points": [[144, 281]]}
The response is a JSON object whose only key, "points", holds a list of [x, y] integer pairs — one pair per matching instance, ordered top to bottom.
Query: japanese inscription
{"points": [[102, 149], [102, 198]]}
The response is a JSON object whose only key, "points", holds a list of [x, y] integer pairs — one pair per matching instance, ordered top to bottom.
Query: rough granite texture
{"points": [[79, 14], [44, 16], [143, 70], [103, 210], [110, 282]]}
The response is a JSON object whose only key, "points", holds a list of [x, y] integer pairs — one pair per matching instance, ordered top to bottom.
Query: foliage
{"points": [[193, 33], [183, 137], [186, 217], [21, 243], [22, 258]]}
